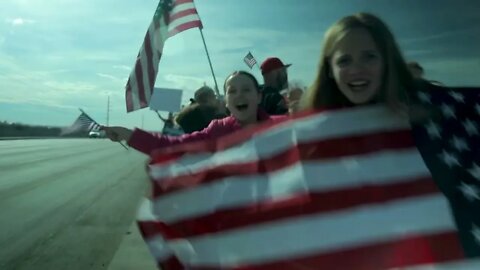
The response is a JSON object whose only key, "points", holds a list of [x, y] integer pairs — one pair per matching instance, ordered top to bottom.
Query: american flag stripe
{"points": [[183, 11], [249, 60], [141, 82], [83, 122], [281, 137], [323, 151], [341, 176], [303, 206], [269, 210], [361, 228], [413, 250], [359, 262], [457, 265]]}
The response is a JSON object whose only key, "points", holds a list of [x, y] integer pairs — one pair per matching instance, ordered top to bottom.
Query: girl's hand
{"points": [[117, 133]]}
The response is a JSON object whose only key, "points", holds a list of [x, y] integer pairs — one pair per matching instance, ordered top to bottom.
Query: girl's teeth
{"points": [[358, 83]]}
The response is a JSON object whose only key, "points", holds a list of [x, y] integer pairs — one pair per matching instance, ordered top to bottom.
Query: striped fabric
{"points": [[171, 18], [249, 60], [83, 123], [318, 192]]}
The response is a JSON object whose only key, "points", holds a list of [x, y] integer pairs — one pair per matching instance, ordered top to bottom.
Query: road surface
{"points": [[66, 203]]}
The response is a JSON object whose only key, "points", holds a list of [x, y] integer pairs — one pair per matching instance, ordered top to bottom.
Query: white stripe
{"points": [[182, 7], [180, 21], [155, 51], [134, 87], [286, 135], [230, 192], [144, 212], [317, 234], [158, 248], [458, 265]]}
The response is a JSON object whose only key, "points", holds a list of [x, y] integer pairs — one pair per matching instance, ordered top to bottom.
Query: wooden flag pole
{"points": [[209, 62]]}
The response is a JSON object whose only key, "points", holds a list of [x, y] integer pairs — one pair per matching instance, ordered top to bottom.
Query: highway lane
{"points": [[66, 203]]}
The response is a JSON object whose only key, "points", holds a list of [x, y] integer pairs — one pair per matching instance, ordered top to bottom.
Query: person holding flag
{"points": [[362, 65], [275, 77], [242, 96], [381, 175]]}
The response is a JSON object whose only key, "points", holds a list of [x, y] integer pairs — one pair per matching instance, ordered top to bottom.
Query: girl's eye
{"points": [[370, 56], [343, 61]]}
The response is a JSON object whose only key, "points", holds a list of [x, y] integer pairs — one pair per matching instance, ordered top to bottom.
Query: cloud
{"points": [[19, 21], [441, 35], [122, 67], [453, 71], [111, 77], [187, 83]]}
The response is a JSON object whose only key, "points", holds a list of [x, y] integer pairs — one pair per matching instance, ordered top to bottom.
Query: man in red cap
{"points": [[275, 79]]}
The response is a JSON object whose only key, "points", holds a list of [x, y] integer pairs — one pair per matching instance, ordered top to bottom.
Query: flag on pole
{"points": [[171, 17], [249, 60], [83, 123], [343, 189]]}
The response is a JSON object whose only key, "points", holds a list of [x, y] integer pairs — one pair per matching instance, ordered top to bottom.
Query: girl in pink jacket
{"points": [[242, 97]]}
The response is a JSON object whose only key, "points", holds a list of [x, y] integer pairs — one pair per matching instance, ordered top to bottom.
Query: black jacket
{"points": [[273, 102]]}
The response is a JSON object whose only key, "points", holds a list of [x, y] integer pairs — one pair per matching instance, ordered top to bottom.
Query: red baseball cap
{"points": [[272, 63]]}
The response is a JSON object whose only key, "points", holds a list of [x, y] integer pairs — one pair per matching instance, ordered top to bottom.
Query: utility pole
{"points": [[108, 111]]}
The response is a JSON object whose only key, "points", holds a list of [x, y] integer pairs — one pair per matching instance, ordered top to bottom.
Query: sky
{"points": [[60, 55]]}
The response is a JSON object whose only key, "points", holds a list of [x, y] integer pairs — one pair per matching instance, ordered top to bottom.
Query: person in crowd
{"points": [[361, 64], [418, 72], [275, 78], [242, 95], [294, 95], [206, 96], [196, 117], [167, 122]]}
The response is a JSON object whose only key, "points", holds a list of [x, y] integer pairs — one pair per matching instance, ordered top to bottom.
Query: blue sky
{"points": [[59, 55]]}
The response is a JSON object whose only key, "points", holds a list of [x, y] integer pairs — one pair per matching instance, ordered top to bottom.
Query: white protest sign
{"points": [[166, 99]]}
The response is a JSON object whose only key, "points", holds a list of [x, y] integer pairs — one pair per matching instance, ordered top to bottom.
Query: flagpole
{"points": [[209, 62]]}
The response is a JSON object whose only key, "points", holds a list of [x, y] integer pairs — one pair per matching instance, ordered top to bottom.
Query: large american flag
{"points": [[171, 17], [342, 189]]}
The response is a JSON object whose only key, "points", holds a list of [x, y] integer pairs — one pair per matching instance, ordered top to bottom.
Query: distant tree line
{"points": [[22, 130]]}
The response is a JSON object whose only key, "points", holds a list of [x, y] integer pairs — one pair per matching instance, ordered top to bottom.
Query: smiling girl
{"points": [[360, 64], [242, 94]]}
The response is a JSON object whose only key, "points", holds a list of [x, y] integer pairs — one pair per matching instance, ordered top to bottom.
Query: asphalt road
{"points": [[66, 203]]}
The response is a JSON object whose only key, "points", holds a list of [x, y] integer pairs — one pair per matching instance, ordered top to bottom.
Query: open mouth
{"points": [[359, 85], [242, 107]]}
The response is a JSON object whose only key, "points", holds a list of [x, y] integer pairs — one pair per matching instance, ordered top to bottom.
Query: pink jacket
{"points": [[146, 142]]}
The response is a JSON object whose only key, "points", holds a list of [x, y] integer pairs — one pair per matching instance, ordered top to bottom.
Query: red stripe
{"points": [[179, 2], [183, 13], [186, 26], [150, 67], [139, 78], [128, 96], [236, 137], [318, 150], [289, 208], [416, 250], [410, 251], [172, 263]]}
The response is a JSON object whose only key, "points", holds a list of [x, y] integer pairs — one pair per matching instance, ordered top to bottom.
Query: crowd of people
{"points": [[360, 64]]}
